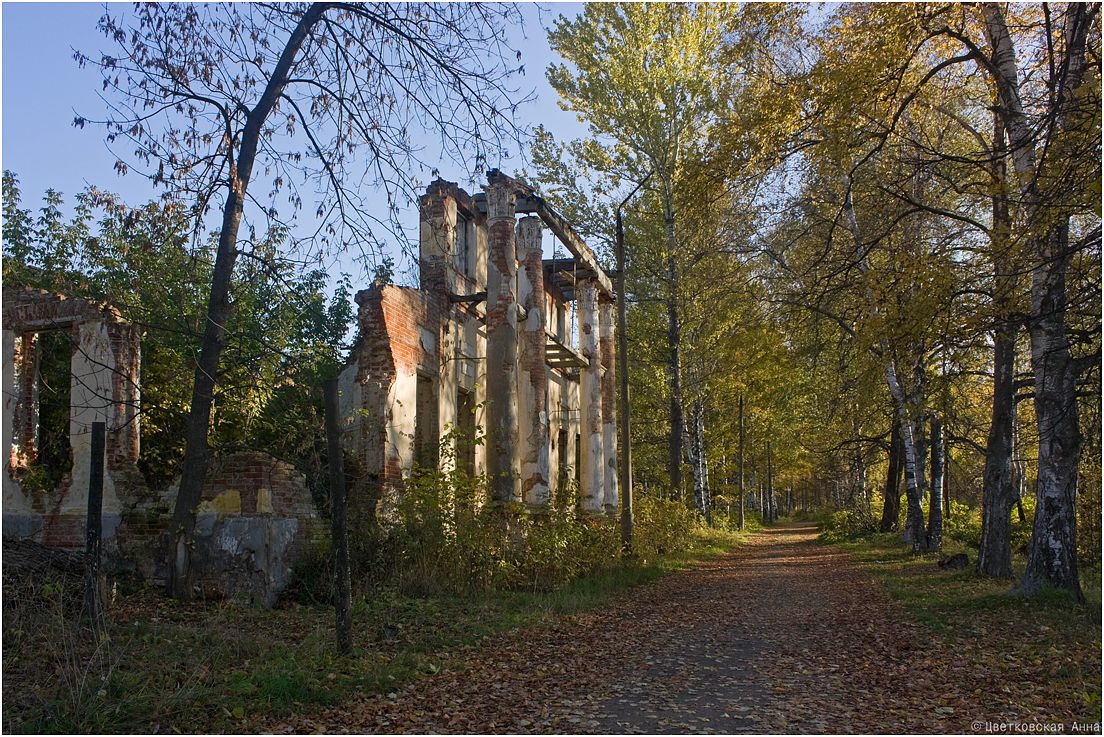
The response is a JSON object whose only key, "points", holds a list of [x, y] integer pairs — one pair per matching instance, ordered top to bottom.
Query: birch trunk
{"points": [[674, 366], [695, 450], [914, 482], [770, 486], [743, 494], [995, 550], [1052, 558]]}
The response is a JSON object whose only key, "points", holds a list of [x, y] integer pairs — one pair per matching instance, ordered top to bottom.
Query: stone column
{"points": [[437, 239], [502, 346], [533, 389], [609, 404], [593, 469]]}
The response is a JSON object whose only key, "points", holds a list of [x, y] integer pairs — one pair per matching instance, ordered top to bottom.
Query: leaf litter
{"points": [[782, 635]]}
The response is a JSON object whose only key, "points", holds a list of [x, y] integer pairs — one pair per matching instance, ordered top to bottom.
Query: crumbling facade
{"points": [[485, 347], [103, 388], [256, 516]]}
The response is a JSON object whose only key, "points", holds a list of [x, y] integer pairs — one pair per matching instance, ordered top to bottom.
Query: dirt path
{"points": [[782, 635]]}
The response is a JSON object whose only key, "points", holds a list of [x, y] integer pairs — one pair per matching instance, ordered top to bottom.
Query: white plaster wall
{"points": [[481, 255], [448, 380], [90, 390], [350, 399], [401, 415]]}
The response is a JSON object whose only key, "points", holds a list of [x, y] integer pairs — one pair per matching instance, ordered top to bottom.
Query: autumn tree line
{"points": [[875, 226], [863, 248]]}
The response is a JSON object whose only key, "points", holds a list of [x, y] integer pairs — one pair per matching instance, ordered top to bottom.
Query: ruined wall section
{"points": [[401, 332], [104, 374]]}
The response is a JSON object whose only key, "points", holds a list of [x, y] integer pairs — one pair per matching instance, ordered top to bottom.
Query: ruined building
{"points": [[486, 343], [103, 354], [71, 362]]}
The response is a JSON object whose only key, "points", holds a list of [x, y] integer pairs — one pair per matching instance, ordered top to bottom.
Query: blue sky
{"points": [[42, 87]]}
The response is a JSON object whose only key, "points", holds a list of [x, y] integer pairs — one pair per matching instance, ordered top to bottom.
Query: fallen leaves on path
{"points": [[782, 635]]}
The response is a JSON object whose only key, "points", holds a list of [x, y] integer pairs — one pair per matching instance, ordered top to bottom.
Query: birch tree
{"points": [[1048, 152]]}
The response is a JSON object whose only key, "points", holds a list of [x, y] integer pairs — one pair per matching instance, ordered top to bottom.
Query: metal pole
{"points": [[626, 479], [93, 606]]}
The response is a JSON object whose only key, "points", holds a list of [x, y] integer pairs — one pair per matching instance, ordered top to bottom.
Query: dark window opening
{"points": [[463, 246], [52, 395], [465, 432], [426, 439], [578, 455], [561, 456]]}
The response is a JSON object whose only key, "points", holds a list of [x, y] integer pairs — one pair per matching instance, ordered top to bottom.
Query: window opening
{"points": [[465, 432], [426, 439], [53, 456]]}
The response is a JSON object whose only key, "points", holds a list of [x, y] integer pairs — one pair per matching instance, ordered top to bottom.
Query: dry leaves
{"points": [[783, 635]]}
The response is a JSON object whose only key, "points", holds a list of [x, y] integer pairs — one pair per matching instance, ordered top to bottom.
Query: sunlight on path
{"points": [[781, 635]]}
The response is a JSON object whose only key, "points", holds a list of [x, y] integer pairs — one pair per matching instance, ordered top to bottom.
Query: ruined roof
{"points": [[528, 201]]}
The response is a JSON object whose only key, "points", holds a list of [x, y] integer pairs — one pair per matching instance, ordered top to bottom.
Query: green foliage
{"points": [[284, 339], [848, 524], [963, 525], [661, 526], [444, 536]]}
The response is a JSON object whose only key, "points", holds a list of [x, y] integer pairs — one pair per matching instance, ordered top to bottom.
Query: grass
{"points": [[979, 614], [221, 667]]}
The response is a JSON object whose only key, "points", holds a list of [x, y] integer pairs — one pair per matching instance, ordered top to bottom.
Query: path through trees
{"points": [[782, 635]]}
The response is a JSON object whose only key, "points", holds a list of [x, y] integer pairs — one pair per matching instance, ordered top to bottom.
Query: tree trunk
{"points": [[218, 313], [674, 374], [695, 450], [947, 451], [703, 455], [913, 462], [1019, 472], [770, 486], [743, 494], [891, 507], [339, 529], [915, 534], [934, 541], [995, 551], [1052, 558], [93, 613]]}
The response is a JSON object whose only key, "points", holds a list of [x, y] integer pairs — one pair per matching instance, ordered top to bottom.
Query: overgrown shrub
{"points": [[845, 524], [963, 525], [661, 526], [444, 536]]}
